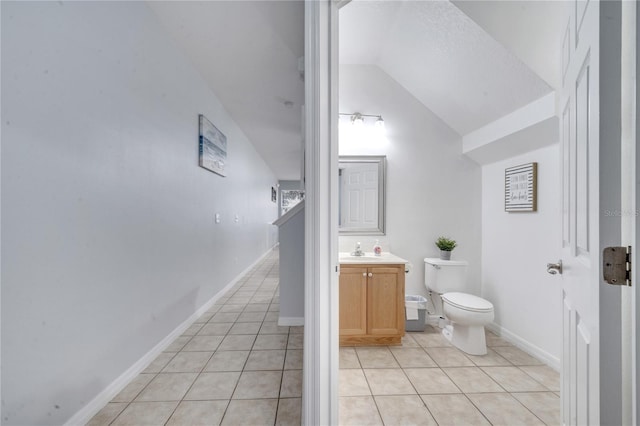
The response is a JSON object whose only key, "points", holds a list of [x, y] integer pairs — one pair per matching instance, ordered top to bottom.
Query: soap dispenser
{"points": [[377, 250]]}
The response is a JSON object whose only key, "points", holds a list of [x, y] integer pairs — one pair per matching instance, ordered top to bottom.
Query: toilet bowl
{"points": [[468, 315]]}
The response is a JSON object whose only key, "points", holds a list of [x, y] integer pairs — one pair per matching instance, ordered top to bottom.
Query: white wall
{"points": [[432, 189], [108, 238], [516, 248], [291, 289]]}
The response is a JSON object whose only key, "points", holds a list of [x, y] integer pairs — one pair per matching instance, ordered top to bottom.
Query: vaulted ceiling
{"points": [[531, 29], [441, 56], [469, 61]]}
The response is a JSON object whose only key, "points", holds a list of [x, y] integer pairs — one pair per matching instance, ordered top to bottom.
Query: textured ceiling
{"points": [[248, 52], [441, 56]]}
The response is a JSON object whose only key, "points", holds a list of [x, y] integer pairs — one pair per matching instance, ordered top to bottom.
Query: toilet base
{"points": [[446, 331], [470, 339]]}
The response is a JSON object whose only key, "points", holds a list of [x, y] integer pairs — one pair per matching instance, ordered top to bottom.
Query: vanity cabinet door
{"points": [[353, 301], [385, 309]]}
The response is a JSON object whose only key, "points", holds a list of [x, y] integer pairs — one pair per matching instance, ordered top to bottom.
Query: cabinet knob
{"points": [[364, 274], [370, 274]]}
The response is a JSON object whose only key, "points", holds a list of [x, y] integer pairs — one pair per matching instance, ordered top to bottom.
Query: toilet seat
{"points": [[467, 302]]}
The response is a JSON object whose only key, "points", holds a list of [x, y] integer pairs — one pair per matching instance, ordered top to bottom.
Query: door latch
{"points": [[616, 265], [555, 268]]}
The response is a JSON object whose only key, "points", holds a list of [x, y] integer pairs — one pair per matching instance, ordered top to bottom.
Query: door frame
{"points": [[635, 154], [630, 174], [610, 227], [320, 356], [320, 375]]}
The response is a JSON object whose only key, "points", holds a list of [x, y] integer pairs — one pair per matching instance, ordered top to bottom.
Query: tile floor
{"points": [[233, 366], [236, 366], [426, 381]]}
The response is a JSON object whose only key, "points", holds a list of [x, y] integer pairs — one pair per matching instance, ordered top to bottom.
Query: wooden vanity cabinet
{"points": [[371, 304]]}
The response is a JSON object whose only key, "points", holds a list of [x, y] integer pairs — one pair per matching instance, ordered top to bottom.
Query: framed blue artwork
{"points": [[213, 147]]}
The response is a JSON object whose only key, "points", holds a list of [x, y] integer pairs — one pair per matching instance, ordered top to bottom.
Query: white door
{"points": [[590, 188], [359, 196]]}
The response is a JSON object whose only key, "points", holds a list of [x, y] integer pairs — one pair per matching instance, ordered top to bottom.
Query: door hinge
{"points": [[616, 265]]}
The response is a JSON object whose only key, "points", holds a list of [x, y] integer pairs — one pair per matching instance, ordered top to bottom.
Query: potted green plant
{"points": [[446, 245]]}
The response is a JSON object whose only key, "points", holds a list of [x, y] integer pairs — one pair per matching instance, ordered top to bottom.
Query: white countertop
{"points": [[369, 258]]}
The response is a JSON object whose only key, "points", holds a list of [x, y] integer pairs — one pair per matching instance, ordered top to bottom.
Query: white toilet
{"points": [[468, 313]]}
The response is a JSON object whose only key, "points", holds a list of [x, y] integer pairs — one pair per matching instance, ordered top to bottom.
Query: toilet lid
{"points": [[468, 302]]}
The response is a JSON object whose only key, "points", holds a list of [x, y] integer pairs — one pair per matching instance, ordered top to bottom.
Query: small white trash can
{"points": [[415, 309]]}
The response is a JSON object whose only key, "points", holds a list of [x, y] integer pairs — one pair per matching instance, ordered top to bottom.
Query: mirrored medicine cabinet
{"points": [[361, 181]]}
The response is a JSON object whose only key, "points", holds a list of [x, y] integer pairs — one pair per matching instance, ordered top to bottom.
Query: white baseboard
{"points": [[290, 321], [531, 349], [85, 414]]}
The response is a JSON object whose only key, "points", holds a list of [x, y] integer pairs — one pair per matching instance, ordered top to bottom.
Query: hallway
{"points": [[233, 366]]}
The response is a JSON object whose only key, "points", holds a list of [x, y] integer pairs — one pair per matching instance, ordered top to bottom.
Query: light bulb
{"points": [[357, 120]]}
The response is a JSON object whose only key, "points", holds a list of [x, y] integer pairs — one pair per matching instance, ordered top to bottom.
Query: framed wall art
{"points": [[213, 147], [520, 188], [289, 198]]}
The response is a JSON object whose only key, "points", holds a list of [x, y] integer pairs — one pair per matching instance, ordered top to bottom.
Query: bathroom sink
{"points": [[365, 257], [370, 258]]}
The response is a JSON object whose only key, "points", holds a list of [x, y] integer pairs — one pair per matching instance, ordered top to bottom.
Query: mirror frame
{"points": [[381, 160]]}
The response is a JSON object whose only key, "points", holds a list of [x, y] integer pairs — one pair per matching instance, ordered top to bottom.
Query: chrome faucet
{"points": [[358, 251]]}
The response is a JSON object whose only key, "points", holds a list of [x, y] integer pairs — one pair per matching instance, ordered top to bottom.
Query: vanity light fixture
{"points": [[358, 119], [358, 128]]}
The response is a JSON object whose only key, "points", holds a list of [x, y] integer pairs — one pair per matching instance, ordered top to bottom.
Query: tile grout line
{"points": [[241, 371], [196, 379], [536, 380], [414, 386], [477, 408], [275, 420]]}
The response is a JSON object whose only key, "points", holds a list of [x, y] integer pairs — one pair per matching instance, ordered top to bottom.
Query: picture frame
{"points": [[212, 147], [521, 188], [274, 194], [289, 198]]}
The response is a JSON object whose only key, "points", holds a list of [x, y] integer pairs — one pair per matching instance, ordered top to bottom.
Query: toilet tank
{"points": [[444, 276]]}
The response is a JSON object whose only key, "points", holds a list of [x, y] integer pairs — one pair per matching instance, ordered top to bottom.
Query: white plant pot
{"points": [[445, 255]]}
